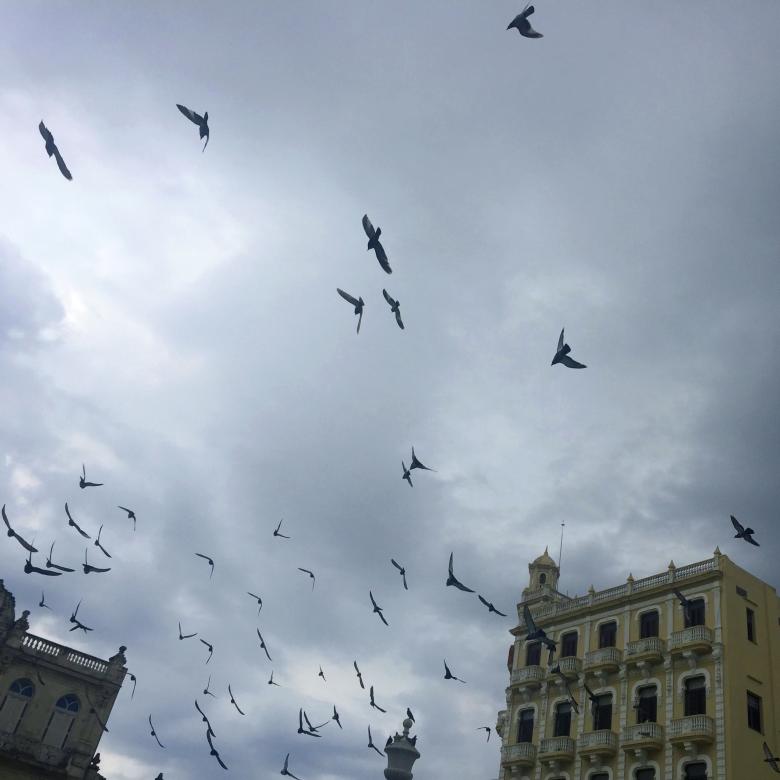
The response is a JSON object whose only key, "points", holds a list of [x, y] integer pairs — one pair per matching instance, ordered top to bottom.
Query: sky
{"points": [[170, 319]]}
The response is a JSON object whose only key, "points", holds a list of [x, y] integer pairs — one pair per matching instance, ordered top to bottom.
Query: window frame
{"points": [[701, 607], [647, 613], [750, 617], [608, 624], [567, 635], [535, 648], [693, 695], [640, 699], [758, 709], [597, 716], [558, 718], [521, 722]]}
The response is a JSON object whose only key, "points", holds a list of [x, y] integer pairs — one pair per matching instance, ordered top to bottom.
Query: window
{"points": [[542, 578], [694, 615], [648, 624], [751, 624], [607, 634], [569, 645], [533, 654], [510, 659], [695, 696], [15, 703], [647, 704], [602, 712], [754, 712], [61, 721], [562, 725], [525, 727], [697, 771], [645, 774], [599, 776]]}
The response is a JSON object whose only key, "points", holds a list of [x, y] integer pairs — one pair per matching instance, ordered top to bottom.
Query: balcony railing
{"points": [[695, 636], [650, 646], [64, 655], [606, 656], [570, 665], [528, 675], [692, 728], [644, 734], [601, 741], [561, 747], [522, 753], [45, 754]]}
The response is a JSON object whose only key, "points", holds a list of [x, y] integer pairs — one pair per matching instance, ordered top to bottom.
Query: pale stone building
{"points": [[679, 694], [54, 703]]}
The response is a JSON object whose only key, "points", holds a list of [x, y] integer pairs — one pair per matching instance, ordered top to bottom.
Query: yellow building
{"points": [[678, 693], [54, 702]]}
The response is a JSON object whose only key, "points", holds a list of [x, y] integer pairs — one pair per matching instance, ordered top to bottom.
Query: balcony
{"points": [[696, 640], [647, 651], [605, 660], [570, 666], [527, 677], [692, 730], [642, 736], [601, 743], [555, 749], [32, 750], [522, 755]]}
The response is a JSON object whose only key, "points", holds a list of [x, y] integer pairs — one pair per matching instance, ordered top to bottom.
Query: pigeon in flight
{"points": [[522, 25], [201, 121], [51, 149], [375, 244], [356, 302], [395, 307], [562, 355], [416, 464], [407, 474], [83, 479], [130, 514], [73, 523], [276, 532], [742, 532], [97, 543], [27, 546], [211, 562], [50, 565], [30, 569], [88, 569], [402, 571], [311, 574], [452, 580], [259, 601], [42, 602], [686, 604], [489, 605], [377, 608], [76, 622], [534, 632], [185, 636], [262, 645], [210, 647], [557, 670], [321, 674], [359, 675], [448, 675], [271, 680], [134, 681], [206, 691], [233, 701], [373, 703], [336, 717], [314, 728], [485, 728], [301, 729], [209, 730], [154, 733], [371, 742], [214, 751], [771, 759], [285, 771]]}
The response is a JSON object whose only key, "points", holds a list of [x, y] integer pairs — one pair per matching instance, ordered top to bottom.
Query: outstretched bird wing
{"points": [[191, 115], [46, 133], [61, 165], [368, 227], [381, 256], [347, 297], [388, 298], [571, 363], [740, 529], [529, 620]]}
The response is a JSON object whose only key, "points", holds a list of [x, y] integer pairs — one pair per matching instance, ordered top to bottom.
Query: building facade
{"points": [[661, 691], [54, 703]]}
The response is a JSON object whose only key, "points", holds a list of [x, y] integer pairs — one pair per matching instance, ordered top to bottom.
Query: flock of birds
{"points": [[305, 726]]}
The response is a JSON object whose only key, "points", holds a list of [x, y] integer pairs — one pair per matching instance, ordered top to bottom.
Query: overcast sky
{"points": [[170, 318]]}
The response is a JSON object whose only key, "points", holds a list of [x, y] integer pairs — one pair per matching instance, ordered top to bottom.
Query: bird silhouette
{"points": [[522, 25], [201, 121], [52, 150], [375, 244], [356, 302], [395, 307], [562, 355], [416, 464], [407, 474], [83, 479], [130, 514], [74, 524], [276, 532], [742, 532], [11, 533], [97, 543], [210, 561], [50, 565], [30, 569], [89, 569], [401, 570], [311, 574], [454, 581], [259, 601], [42, 602], [686, 604], [489, 605], [377, 608], [77, 623], [534, 632], [185, 636], [262, 645], [210, 647], [557, 670], [321, 674], [359, 675], [448, 675], [271, 680], [134, 681], [206, 691], [233, 701], [373, 703], [410, 715], [336, 717], [205, 719], [314, 728], [485, 728], [302, 730], [154, 733], [371, 742], [214, 751], [771, 759], [285, 771]]}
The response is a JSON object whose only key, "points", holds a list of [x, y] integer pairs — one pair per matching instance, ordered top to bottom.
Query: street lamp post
{"points": [[401, 754]]}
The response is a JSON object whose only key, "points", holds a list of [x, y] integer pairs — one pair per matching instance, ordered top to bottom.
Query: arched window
{"points": [[542, 578], [607, 634], [533, 653], [695, 696], [15, 703], [647, 704], [602, 712], [61, 721], [562, 725], [525, 726], [696, 771], [648, 773]]}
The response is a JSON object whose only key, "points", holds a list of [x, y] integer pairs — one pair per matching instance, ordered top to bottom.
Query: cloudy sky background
{"points": [[170, 319]]}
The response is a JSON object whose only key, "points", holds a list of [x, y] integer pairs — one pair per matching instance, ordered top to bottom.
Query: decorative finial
{"points": [[717, 552], [671, 565], [630, 577], [407, 725]]}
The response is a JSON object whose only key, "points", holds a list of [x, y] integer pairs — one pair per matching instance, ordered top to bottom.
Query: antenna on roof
{"points": [[560, 550]]}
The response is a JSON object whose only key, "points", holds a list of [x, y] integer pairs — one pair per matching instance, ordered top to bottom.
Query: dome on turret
{"points": [[544, 560]]}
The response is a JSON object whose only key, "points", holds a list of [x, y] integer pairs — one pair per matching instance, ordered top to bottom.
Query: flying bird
{"points": [[522, 25], [201, 121], [51, 149], [375, 244], [356, 302], [395, 307], [562, 355], [416, 464], [407, 474], [83, 479], [130, 514], [75, 525], [276, 532], [742, 532], [97, 543], [27, 546], [211, 562], [50, 565], [30, 569], [88, 569], [402, 571], [311, 574], [453, 580], [259, 601], [42, 602], [686, 604], [489, 605], [377, 609], [77, 623], [534, 632], [185, 636], [262, 645], [210, 647], [557, 670], [321, 674], [359, 675], [448, 675], [134, 681], [271, 681], [206, 691], [594, 700], [233, 701], [373, 703], [336, 717], [205, 719], [314, 728], [485, 728], [302, 730], [154, 733], [371, 742], [214, 751], [771, 759], [285, 771]]}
